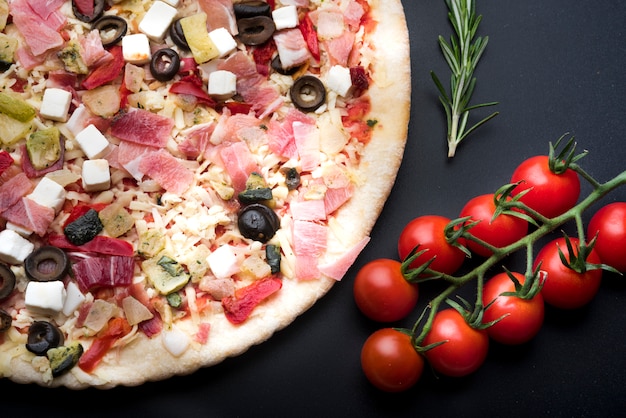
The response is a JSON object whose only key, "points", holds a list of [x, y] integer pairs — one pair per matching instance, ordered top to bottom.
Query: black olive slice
{"points": [[252, 8], [98, 9], [112, 29], [255, 30], [178, 36], [164, 64], [5, 65], [278, 67], [308, 93], [292, 177], [258, 222], [84, 228], [272, 255], [46, 264], [7, 281], [5, 320], [42, 336]]}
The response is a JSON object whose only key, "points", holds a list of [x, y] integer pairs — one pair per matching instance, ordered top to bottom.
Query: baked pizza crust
{"points": [[146, 359]]}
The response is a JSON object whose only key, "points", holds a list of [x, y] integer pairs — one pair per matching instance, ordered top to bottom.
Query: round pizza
{"points": [[180, 179]]}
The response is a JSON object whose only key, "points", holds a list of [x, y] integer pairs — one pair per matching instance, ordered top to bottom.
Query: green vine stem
{"points": [[478, 273]]}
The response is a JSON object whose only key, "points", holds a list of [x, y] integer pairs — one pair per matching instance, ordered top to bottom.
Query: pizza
{"points": [[181, 179]]}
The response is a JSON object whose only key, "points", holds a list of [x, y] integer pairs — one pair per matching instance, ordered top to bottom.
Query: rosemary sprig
{"points": [[462, 57]]}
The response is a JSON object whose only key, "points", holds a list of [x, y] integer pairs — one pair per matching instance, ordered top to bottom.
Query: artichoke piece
{"points": [[16, 108], [44, 147], [116, 220], [165, 274], [63, 358]]}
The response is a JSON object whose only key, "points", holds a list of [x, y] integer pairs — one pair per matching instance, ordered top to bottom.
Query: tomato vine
{"points": [[506, 204]]}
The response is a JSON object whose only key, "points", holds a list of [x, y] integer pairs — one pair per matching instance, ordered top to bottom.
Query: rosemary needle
{"points": [[462, 55]]}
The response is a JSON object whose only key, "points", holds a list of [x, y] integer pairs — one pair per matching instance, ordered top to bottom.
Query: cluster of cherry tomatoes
{"points": [[393, 359]]}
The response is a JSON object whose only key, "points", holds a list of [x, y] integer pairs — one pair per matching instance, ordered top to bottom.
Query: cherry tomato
{"points": [[550, 194], [609, 222], [502, 231], [428, 232], [565, 288], [382, 293], [524, 317], [464, 350], [390, 362]]}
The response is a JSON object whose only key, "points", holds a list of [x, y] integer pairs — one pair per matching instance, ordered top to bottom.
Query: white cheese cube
{"points": [[174, 3], [285, 17], [157, 20], [223, 40], [136, 48], [338, 79], [222, 84], [55, 104], [93, 143], [96, 175], [48, 193], [25, 232], [13, 247], [223, 262], [45, 296], [73, 299]]}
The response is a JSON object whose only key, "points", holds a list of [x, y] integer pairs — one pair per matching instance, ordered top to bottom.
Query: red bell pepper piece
{"points": [[310, 36], [107, 72], [239, 307], [116, 329]]}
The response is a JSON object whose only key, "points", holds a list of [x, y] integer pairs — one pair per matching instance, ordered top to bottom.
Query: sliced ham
{"points": [[45, 8], [220, 14], [41, 35], [292, 48], [339, 48], [92, 52], [252, 86], [143, 127], [280, 133], [307, 139], [197, 140], [129, 155], [6, 161], [239, 163], [168, 171], [13, 190], [336, 197], [308, 210], [30, 215], [309, 238], [100, 244], [306, 267], [338, 268], [97, 272]]}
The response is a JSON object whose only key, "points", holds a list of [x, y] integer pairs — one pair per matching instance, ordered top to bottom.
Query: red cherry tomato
{"points": [[550, 194], [610, 224], [502, 231], [428, 232], [565, 288], [382, 293], [524, 317], [464, 350], [390, 362]]}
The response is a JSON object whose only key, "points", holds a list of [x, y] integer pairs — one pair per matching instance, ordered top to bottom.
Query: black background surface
{"points": [[554, 67]]}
